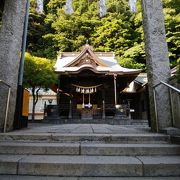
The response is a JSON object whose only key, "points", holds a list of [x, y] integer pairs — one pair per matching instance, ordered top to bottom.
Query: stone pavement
{"points": [[83, 129], [87, 152], [14, 177]]}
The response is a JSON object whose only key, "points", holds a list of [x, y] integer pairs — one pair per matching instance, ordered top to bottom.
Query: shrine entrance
{"points": [[90, 84], [87, 101]]}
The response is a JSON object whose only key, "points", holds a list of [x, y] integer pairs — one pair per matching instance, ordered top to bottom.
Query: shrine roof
{"points": [[98, 62]]}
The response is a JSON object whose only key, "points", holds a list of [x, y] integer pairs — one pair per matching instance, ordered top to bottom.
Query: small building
{"points": [[91, 84], [136, 95], [46, 98]]}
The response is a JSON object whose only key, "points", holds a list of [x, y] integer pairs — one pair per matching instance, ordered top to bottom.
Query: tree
{"points": [[172, 23], [119, 30], [116, 31], [37, 45], [38, 73]]}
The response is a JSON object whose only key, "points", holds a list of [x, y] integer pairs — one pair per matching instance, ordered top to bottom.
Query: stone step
{"points": [[111, 121], [107, 138], [175, 139], [39, 148], [88, 149], [129, 149], [90, 166], [21, 177]]}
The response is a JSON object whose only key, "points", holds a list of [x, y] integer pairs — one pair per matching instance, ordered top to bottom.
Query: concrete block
{"points": [[140, 138], [39, 148], [129, 149], [9, 164], [160, 165], [80, 166], [18, 177]]}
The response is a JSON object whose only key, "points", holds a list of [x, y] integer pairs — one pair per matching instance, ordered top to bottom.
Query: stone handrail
{"points": [[170, 87], [7, 104]]}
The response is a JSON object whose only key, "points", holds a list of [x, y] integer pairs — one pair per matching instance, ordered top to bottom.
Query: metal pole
{"points": [[21, 67], [19, 99], [7, 109], [172, 109]]}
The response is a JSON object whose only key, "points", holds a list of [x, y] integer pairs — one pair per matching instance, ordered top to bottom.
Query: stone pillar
{"points": [[10, 50], [157, 61]]}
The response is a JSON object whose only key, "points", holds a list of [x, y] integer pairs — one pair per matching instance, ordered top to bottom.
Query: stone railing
{"points": [[174, 94], [7, 103]]}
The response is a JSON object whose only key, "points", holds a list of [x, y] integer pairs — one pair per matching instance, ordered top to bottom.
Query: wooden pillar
{"points": [[115, 90], [70, 104], [103, 105], [70, 109], [103, 113]]}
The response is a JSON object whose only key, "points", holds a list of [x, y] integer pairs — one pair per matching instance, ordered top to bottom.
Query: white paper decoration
{"points": [[40, 4], [132, 4], [68, 7], [102, 8]]}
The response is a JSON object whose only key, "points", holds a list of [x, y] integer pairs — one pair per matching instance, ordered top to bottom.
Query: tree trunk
{"points": [[35, 100]]}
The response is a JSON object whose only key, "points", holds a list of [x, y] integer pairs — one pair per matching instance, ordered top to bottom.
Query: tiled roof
{"points": [[106, 63]]}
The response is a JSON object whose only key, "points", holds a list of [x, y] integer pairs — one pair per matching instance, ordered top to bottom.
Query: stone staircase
{"points": [[112, 121], [88, 156]]}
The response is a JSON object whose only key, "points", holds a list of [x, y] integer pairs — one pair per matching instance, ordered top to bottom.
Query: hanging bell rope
{"points": [[132, 4], [68, 7], [102, 8], [83, 102], [89, 104]]}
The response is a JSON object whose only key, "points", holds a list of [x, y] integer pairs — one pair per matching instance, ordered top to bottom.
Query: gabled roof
{"points": [[87, 56], [98, 62], [137, 84]]}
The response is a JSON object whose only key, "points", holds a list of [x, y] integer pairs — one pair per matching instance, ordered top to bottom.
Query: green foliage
{"points": [[1, 10], [172, 23], [119, 31], [36, 44], [134, 57], [38, 72], [178, 73]]}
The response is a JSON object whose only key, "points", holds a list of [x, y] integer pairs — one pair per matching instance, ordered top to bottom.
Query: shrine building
{"points": [[92, 85]]}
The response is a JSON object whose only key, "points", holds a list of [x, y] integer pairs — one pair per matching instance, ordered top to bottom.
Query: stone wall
{"points": [[10, 50]]}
